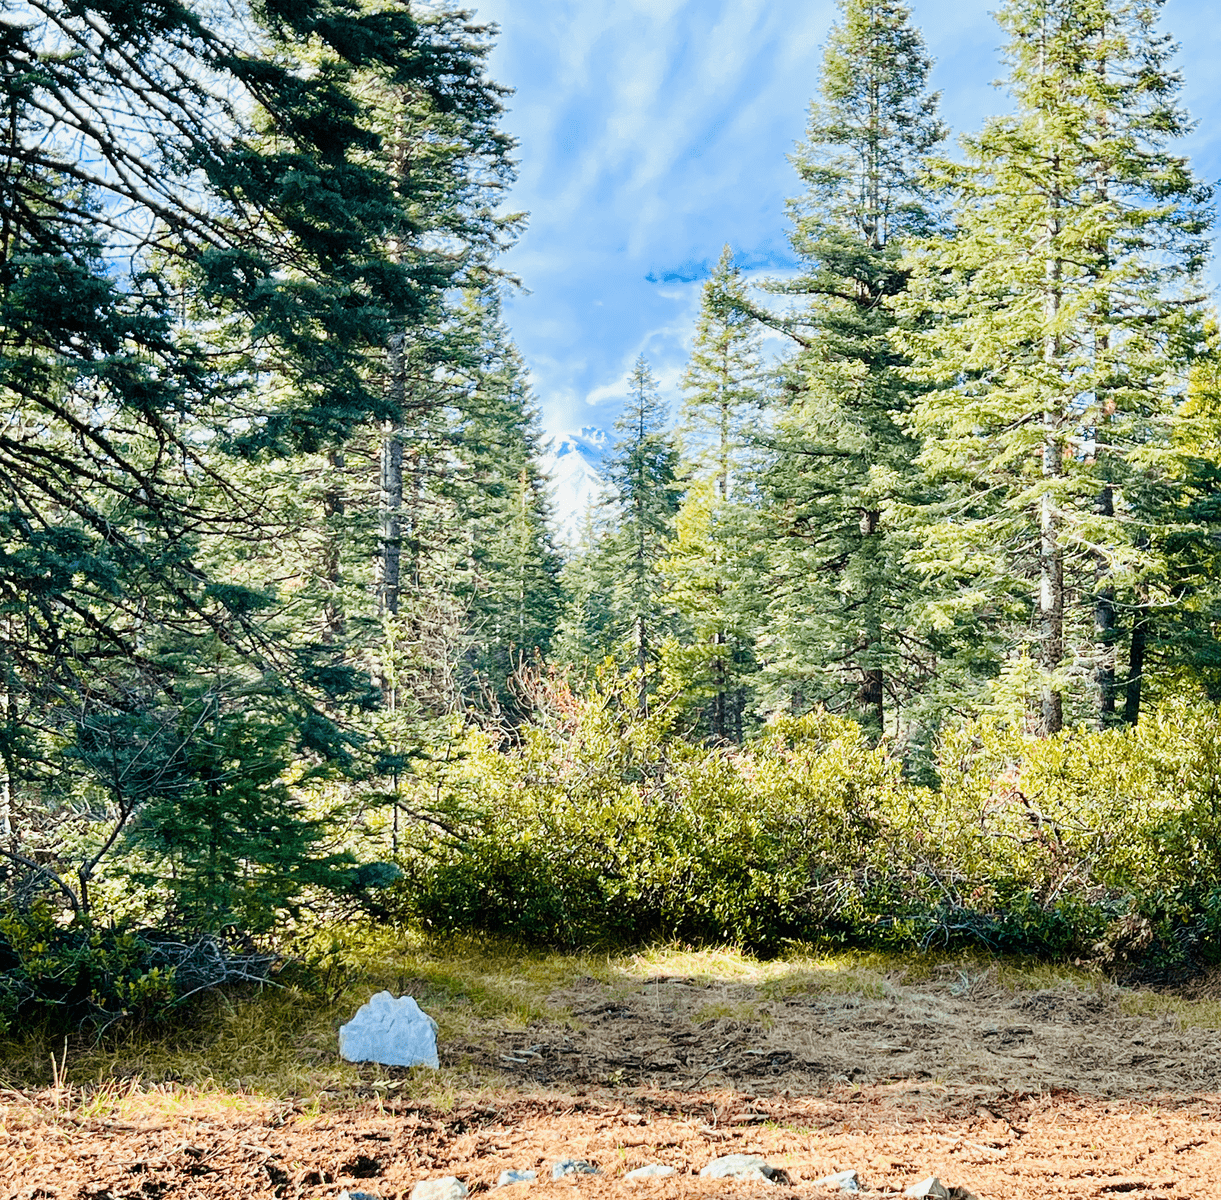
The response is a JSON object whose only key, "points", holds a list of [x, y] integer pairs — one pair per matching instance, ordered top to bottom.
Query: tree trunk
{"points": [[333, 508], [392, 518], [1051, 554], [1051, 613], [1104, 622], [642, 661], [1136, 664], [720, 684], [871, 695]]}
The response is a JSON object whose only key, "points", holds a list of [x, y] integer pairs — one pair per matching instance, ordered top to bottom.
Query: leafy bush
{"points": [[605, 828], [610, 830], [82, 974]]}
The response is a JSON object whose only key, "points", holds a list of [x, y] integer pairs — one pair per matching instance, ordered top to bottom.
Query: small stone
{"points": [[393, 1032], [573, 1166], [744, 1166], [652, 1171], [510, 1177], [846, 1181], [446, 1188], [929, 1189], [346, 1195]]}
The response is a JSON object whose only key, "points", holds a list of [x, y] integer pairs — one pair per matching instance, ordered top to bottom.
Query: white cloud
{"points": [[654, 131]]}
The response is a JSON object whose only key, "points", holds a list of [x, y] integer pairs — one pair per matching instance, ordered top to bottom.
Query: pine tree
{"points": [[201, 251], [1063, 313], [644, 472], [509, 579], [712, 584], [616, 589], [840, 631], [1185, 642]]}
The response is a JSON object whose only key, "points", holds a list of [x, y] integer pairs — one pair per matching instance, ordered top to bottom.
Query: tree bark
{"points": [[333, 508], [392, 518], [389, 572], [1051, 613], [1104, 623], [1136, 665], [871, 695]]}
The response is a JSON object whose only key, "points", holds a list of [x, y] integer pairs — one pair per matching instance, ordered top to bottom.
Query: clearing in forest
{"points": [[1011, 1083]]}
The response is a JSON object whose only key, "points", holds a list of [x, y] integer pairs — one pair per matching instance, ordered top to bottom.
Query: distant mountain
{"points": [[574, 464]]}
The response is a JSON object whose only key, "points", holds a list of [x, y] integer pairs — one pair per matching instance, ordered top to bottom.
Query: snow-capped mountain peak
{"points": [[574, 464]]}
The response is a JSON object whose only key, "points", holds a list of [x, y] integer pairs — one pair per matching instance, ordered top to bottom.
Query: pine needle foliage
{"points": [[1062, 312], [840, 629]]}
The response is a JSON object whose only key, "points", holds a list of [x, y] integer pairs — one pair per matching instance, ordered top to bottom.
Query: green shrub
{"points": [[609, 829], [65, 976]]}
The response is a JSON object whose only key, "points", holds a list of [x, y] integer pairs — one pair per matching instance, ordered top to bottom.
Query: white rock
{"points": [[395, 1033], [573, 1166], [742, 1166], [652, 1171], [510, 1177], [846, 1181], [446, 1188], [929, 1189]]}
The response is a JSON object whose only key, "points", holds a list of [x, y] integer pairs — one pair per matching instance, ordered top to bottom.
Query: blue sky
{"points": [[652, 132]]}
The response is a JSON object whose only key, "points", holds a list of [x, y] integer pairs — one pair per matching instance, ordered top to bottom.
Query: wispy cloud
{"points": [[652, 132]]}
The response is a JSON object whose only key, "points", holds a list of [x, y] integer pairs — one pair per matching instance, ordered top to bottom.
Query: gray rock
{"points": [[392, 1032], [573, 1166], [744, 1166], [652, 1171], [510, 1177], [846, 1181], [446, 1188], [929, 1189], [346, 1195]]}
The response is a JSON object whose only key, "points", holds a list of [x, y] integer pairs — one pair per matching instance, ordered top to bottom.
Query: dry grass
{"points": [[1181, 1011], [279, 1043]]}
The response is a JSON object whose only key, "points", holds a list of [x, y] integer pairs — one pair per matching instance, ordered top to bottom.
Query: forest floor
{"points": [[1011, 1086]]}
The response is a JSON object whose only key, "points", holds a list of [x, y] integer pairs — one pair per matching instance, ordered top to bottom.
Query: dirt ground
{"points": [[1014, 1096]]}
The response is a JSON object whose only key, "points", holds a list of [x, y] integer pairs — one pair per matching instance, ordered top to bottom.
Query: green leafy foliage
{"points": [[1059, 318], [606, 828], [65, 977]]}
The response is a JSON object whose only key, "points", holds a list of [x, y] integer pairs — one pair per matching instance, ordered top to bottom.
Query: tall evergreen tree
{"points": [[200, 252], [1065, 306], [644, 472], [509, 575], [712, 583], [616, 590], [840, 629]]}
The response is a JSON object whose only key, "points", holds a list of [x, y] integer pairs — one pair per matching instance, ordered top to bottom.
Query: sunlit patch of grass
{"points": [[700, 966], [799, 971], [1031, 976], [1184, 1013], [282, 1041], [279, 1044], [132, 1100]]}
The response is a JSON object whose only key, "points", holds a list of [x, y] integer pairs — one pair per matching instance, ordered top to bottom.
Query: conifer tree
{"points": [[201, 251], [1064, 307], [644, 472], [508, 578], [712, 583], [617, 602], [840, 628]]}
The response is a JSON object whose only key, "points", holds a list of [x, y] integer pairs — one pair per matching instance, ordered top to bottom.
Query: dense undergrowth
{"points": [[599, 828], [1101, 847]]}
